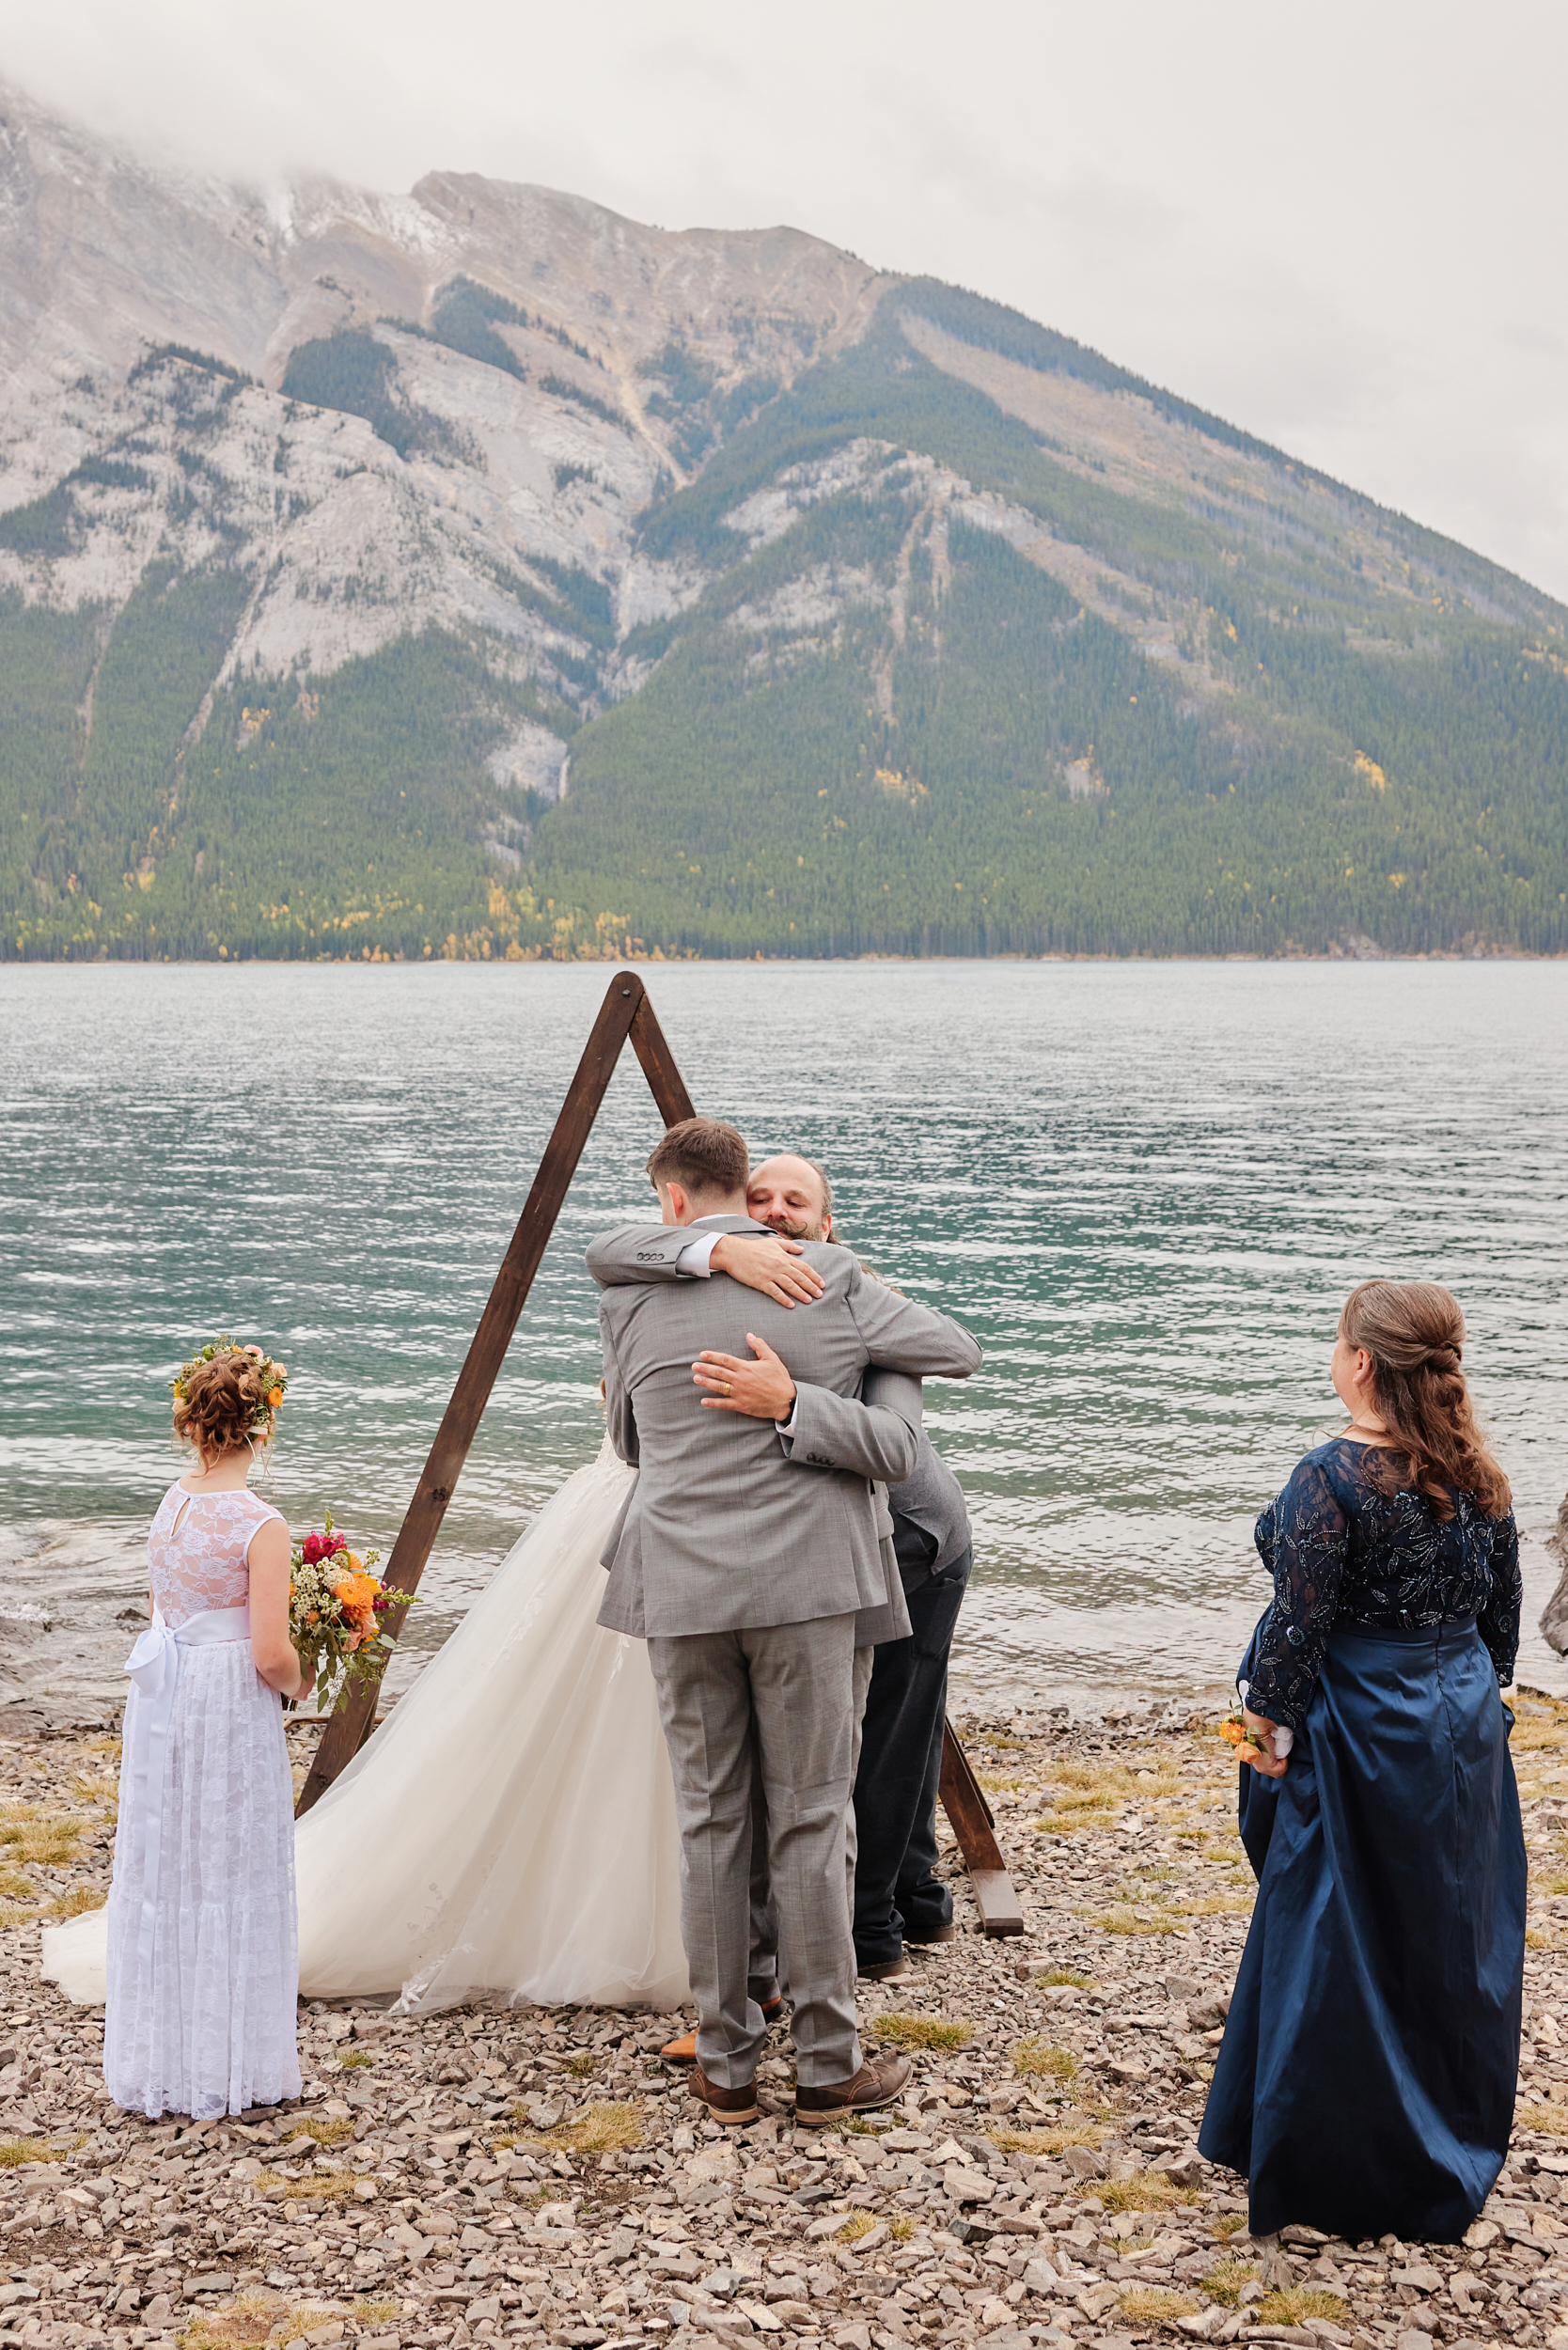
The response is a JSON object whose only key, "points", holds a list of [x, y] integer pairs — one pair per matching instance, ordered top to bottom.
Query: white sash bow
{"points": [[153, 1665]]}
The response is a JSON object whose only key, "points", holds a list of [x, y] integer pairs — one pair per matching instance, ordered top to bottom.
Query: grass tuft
{"points": [[96, 1789], [32, 1834], [78, 1902], [1128, 1921], [1537, 1939], [1055, 1977], [921, 2031], [1036, 2059], [356, 2060], [581, 2065], [1549, 2121], [604, 2128], [327, 2130], [1046, 2141], [14, 2152], [324, 2187], [1146, 2191], [859, 2223], [901, 2227], [1226, 2282], [1299, 2302], [1152, 2305], [376, 2312], [249, 2319]]}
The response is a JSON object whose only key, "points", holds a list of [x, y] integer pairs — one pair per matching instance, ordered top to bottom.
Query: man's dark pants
{"points": [[896, 1890]]}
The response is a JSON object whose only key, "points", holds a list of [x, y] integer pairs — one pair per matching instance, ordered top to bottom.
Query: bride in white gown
{"points": [[509, 1831]]}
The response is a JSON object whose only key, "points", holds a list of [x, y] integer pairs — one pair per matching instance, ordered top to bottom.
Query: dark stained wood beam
{"points": [[625, 1011], [974, 1825]]}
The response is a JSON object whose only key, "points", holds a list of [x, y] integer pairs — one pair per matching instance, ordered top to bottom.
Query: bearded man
{"points": [[899, 1897]]}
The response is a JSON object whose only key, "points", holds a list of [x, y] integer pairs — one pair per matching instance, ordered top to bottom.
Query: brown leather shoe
{"points": [[937, 1934], [885, 1969], [684, 2051], [877, 2083], [728, 2106]]}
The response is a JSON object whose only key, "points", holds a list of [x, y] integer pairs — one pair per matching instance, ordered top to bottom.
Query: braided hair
{"points": [[1415, 1334]]}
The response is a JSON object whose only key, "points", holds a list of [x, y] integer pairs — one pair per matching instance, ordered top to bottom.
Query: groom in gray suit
{"points": [[746, 1581]]}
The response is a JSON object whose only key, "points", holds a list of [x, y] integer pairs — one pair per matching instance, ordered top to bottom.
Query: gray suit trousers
{"points": [[779, 1699], [763, 1979]]}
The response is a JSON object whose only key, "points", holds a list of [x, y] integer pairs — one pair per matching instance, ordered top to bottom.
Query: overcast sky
{"points": [[1340, 225]]}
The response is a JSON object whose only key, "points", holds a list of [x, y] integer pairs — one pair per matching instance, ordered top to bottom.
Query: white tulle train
{"points": [[509, 1831]]}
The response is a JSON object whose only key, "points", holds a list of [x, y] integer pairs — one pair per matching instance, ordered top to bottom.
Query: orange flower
{"points": [[275, 1397], [356, 1595], [1234, 1732]]}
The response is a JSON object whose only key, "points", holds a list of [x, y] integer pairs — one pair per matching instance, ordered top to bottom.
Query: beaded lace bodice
{"points": [[1347, 1550], [198, 1560]]}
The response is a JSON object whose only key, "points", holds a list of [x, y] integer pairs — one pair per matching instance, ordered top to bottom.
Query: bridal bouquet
{"points": [[336, 1609]]}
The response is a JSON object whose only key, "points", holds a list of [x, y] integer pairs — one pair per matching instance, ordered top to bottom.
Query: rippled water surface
{"points": [[1146, 1187]]}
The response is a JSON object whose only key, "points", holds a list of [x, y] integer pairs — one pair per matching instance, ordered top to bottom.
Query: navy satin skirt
{"points": [[1365, 2083]]}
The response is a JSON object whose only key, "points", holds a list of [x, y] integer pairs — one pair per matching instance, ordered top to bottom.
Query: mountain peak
{"points": [[339, 530]]}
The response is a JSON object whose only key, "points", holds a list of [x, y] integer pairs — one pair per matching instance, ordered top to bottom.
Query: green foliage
{"points": [[465, 319], [161, 353], [354, 373], [684, 377], [562, 388], [111, 473], [46, 526], [588, 599], [751, 796], [343, 816]]}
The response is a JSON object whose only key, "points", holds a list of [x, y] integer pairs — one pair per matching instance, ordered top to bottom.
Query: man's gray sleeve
{"points": [[636, 1252], [647, 1252], [900, 1336], [619, 1416], [875, 1435]]}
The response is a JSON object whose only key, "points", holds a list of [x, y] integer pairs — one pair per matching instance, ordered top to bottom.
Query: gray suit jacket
{"points": [[831, 1431], [722, 1532]]}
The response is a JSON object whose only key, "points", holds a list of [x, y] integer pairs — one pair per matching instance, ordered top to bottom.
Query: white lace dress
{"points": [[509, 1831], [202, 1972]]}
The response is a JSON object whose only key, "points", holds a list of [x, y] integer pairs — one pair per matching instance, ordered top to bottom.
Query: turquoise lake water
{"points": [[1146, 1187]]}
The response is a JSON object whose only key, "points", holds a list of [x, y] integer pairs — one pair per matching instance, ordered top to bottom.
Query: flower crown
{"points": [[275, 1379]]}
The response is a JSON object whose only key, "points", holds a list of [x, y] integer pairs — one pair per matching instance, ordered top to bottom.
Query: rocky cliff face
{"points": [[554, 451], [391, 514]]}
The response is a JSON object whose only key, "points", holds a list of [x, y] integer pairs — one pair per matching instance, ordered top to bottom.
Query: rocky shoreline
{"points": [[538, 2176]]}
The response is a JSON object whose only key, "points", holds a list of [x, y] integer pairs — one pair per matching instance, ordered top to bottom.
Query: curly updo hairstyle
{"points": [[1415, 1334], [223, 1401]]}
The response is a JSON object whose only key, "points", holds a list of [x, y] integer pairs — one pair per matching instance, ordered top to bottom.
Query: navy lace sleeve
{"points": [[1302, 1539], [1497, 1621]]}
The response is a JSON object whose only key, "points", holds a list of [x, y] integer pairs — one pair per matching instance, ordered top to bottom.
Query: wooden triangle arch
{"points": [[625, 1012]]}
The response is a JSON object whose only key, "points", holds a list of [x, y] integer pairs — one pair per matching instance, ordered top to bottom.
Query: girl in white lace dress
{"points": [[202, 1949]]}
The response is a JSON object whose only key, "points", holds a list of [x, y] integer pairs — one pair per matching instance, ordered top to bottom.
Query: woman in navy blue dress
{"points": [[1366, 2081]]}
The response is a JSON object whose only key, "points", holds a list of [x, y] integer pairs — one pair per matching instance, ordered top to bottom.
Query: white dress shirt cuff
{"points": [[694, 1257], [787, 1427]]}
